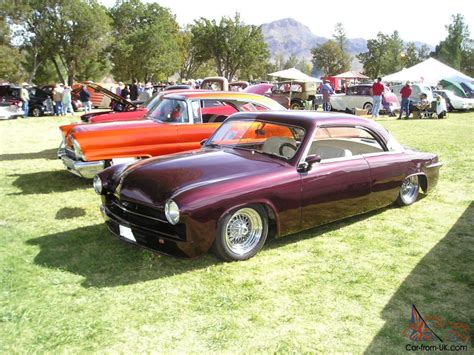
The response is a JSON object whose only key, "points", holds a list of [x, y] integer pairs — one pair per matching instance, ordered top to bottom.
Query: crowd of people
{"points": [[62, 100]]}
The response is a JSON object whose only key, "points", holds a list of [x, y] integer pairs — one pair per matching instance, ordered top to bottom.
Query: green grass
{"points": [[66, 285]]}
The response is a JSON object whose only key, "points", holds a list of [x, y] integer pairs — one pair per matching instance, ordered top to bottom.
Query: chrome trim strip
{"points": [[434, 165], [123, 208], [119, 220]]}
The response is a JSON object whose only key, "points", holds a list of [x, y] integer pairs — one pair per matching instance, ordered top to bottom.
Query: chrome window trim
{"points": [[352, 157]]}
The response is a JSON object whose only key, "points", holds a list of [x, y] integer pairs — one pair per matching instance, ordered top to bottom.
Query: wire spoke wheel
{"points": [[409, 190], [243, 231]]}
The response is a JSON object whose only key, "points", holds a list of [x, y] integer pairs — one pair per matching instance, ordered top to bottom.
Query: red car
{"points": [[179, 122], [261, 173]]}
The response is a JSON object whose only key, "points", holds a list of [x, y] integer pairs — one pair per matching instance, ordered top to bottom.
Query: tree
{"points": [[71, 34], [340, 35], [147, 45], [232, 45], [451, 49], [413, 55], [383, 56], [330, 58], [467, 59], [280, 62], [291, 62], [10, 65], [190, 66], [304, 66]]}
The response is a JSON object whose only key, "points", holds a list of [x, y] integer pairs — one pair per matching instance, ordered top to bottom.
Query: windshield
{"points": [[151, 101], [170, 110], [258, 136]]}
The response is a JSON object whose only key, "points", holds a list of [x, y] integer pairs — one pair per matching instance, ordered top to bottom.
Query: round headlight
{"points": [[97, 183], [172, 212]]}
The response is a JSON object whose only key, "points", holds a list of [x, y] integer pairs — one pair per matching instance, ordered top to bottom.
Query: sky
{"points": [[420, 20]]}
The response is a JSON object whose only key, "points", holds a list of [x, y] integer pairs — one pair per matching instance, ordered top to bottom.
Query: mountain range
{"points": [[288, 36]]}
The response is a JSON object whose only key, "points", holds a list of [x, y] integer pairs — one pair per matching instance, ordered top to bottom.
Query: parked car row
{"points": [[223, 171]]}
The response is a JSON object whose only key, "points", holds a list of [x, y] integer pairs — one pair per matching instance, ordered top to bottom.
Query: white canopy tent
{"points": [[430, 72], [294, 74], [351, 75]]}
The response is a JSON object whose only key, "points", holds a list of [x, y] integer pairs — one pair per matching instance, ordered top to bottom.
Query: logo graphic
{"points": [[419, 330]]}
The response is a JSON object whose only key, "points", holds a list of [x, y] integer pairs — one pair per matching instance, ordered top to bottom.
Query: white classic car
{"points": [[359, 96], [455, 102]]}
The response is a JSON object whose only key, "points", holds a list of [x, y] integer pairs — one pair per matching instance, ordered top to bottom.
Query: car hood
{"points": [[139, 113], [113, 126], [155, 180]]}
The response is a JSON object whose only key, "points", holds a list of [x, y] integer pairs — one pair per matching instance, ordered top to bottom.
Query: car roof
{"points": [[223, 95], [310, 119]]}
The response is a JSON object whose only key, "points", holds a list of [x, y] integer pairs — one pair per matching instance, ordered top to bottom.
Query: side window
{"points": [[352, 90], [364, 91], [216, 110], [343, 142]]}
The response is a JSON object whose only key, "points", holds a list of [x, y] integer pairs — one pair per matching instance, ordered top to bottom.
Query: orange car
{"points": [[178, 123]]}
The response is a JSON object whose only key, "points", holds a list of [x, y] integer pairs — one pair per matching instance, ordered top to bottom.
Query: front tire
{"points": [[369, 107], [36, 112], [408, 191], [241, 234]]}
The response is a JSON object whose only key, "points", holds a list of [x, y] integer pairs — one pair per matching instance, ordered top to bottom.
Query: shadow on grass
{"points": [[48, 154], [44, 182], [68, 213], [105, 261], [440, 286]]}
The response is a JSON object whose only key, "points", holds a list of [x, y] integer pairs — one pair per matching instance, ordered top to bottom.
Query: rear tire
{"points": [[296, 105], [408, 191], [241, 233]]}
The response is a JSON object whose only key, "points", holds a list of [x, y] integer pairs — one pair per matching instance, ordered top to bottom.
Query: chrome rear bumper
{"points": [[85, 169]]}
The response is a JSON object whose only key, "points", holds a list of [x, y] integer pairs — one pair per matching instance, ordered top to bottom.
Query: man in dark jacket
{"points": [[134, 90], [84, 97]]}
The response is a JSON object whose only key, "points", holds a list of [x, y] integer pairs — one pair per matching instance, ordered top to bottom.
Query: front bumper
{"points": [[85, 169], [158, 241]]}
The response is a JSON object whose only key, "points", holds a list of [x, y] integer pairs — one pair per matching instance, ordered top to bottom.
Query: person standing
{"points": [[134, 90], [327, 91], [377, 91], [125, 92], [147, 92], [405, 92], [84, 97], [25, 98], [58, 98], [67, 101]]}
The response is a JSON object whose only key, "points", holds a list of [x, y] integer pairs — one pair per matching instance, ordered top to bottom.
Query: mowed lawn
{"points": [[66, 285]]}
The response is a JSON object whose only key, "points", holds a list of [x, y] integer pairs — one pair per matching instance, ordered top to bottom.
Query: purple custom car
{"points": [[259, 174]]}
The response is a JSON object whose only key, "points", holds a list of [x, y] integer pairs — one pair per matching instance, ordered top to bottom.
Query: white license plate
{"points": [[127, 233]]}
